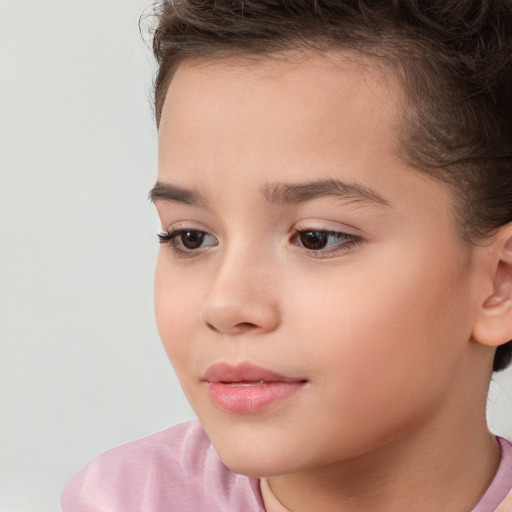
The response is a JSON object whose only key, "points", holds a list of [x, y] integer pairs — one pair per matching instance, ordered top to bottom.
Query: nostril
{"points": [[223, 316], [246, 326], [212, 327], [235, 329]]}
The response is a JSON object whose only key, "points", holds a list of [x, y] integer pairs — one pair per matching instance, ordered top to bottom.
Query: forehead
{"points": [[302, 94], [233, 125]]}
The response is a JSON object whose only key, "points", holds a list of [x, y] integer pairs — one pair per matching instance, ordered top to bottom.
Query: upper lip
{"points": [[244, 372]]}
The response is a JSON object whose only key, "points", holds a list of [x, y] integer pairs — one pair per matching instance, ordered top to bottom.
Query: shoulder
{"points": [[174, 470], [505, 475]]}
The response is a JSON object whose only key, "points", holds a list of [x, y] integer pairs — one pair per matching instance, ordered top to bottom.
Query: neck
{"points": [[430, 469]]}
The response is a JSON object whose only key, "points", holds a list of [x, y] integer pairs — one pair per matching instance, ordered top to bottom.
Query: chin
{"points": [[263, 446], [256, 457], [255, 467]]}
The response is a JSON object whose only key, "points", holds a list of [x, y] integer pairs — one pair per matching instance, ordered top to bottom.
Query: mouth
{"points": [[245, 383], [248, 389]]}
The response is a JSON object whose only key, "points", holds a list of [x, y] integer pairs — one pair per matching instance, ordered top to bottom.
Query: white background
{"points": [[81, 366]]}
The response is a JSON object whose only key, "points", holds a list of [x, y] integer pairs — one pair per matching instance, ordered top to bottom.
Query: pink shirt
{"points": [[178, 470]]}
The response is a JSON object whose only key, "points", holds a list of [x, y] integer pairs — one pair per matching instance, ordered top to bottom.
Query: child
{"points": [[334, 284]]}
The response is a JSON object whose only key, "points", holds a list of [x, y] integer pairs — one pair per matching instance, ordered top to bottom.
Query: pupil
{"points": [[192, 239], [314, 239]]}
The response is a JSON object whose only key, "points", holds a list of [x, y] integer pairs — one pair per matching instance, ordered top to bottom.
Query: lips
{"points": [[248, 389]]}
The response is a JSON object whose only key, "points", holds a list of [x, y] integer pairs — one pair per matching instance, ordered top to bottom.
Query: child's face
{"points": [[371, 325]]}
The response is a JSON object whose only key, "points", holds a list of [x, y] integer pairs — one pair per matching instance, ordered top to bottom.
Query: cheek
{"points": [[176, 310], [388, 338]]}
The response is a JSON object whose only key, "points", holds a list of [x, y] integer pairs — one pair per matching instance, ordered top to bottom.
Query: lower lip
{"points": [[251, 398]]}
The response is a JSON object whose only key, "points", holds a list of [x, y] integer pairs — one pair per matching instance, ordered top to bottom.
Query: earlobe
{"points": [[494, 323]]}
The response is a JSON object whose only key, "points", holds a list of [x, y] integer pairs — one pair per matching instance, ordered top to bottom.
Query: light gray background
{"points": [[82, 369]]}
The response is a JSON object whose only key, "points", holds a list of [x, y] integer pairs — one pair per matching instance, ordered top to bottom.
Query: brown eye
{"points": [[192, 239], [313, 240], [188, 242], [325, 244]]}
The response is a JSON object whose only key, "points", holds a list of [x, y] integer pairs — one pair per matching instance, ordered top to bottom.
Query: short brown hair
{"points": [[453, 57]]}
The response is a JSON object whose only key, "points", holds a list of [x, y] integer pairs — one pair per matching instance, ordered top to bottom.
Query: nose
{"points": [[241, 299]]}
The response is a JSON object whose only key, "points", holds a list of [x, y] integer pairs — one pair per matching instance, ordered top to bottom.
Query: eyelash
{"points": [[170, 238], [346, 241]]}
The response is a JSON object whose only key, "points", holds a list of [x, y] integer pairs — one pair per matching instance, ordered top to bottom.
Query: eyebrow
{"points": [[172, 193], [277, 193], [282, 193]]}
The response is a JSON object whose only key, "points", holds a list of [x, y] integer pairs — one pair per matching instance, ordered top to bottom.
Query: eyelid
{"points": [[186, 225], [328, 225], [171, 238], [348, 239], [349, 244]]}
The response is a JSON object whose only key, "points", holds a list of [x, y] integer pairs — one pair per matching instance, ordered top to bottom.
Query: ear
{"points": [[493, 326]]}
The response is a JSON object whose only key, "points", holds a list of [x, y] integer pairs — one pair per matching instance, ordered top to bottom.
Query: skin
{"points": [[393, 327]]}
